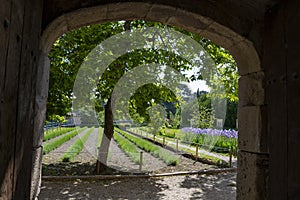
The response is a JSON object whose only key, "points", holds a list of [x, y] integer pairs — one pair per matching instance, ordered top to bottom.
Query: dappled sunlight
{"points": [[217, 186], [222, 186], [125, 189]]}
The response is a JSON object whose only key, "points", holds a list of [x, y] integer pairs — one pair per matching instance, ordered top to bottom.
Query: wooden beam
{"points": [[21, 28]]}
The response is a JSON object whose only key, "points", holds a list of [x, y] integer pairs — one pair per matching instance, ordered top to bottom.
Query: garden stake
{"points": [[230, 157], [141, 161]]}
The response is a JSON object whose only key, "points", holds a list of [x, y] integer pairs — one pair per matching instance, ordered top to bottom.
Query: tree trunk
{"points": [[101, 165]]}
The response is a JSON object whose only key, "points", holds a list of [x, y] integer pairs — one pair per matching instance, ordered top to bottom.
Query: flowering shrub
{"points": [[216, 140]]}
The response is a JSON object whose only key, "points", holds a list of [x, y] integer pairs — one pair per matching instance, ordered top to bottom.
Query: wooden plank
{"points": [[4, 32], [20, 35], [275, 65], [9, 76], [26, 97], [293, 98], [5, 142]]}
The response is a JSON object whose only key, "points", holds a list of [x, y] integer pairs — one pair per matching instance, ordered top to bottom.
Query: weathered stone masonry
{"points": [[262, 35]]}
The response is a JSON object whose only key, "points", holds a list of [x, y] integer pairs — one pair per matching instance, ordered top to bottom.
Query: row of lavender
{"points": [[215, 140]]}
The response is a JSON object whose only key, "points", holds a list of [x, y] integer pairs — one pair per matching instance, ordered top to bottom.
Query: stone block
{"points": [[130, 10], [160, 13], [87, 16], [189, 21], [53, 31], [222, 35], [246, 57], [252, 89], [253, 129], [252, 176]]}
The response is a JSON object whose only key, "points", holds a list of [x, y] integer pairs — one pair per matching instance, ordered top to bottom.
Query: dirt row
{"points": [[55, 155], [84, 162]]}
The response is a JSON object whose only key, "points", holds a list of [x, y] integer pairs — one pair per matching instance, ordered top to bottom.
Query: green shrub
{"points": [[57, 133], [167, 133], [58, 142], [76, 147], [155, 150]]}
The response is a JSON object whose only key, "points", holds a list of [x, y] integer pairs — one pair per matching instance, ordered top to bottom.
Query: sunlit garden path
{"points": [[219, 186]]}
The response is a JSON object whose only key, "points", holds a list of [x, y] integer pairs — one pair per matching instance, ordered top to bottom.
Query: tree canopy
{"points": [[71, 49]]}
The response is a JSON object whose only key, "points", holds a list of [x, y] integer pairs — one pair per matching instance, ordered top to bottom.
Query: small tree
{"points": [[157, 118], [204, 118]]}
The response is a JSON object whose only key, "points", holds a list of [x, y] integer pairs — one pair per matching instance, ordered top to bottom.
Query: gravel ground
{"points": [[89, 151], [55, 155], [119, 160], [150, 163], [185, 164], [219, 187]]}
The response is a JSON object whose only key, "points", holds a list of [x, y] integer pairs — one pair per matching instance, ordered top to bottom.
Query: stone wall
{"points": [[262, 35]]}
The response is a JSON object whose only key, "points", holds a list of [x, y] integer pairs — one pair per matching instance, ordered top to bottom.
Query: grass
{"points": [[57, 133], [170, 133], [58, 142], [222, 145], [76, 147], [128, 147], [155, 150], [187, 150], [204, 156]]}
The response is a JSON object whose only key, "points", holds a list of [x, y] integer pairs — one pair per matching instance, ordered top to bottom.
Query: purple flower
{"points": [[212, 132]]}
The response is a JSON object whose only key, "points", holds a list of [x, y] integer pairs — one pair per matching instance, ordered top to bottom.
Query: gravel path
{"points": [[89, 151], [55, 155], [119, 160], [150, 163], [219, 187]]}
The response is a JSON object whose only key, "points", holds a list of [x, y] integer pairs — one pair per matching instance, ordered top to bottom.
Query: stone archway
{"points": [[253, 154]]}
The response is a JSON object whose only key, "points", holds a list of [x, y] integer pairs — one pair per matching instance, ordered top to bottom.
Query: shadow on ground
{"points": [[79, 168], [68, 169], [217, 186], [222, 186], [125, 189]]}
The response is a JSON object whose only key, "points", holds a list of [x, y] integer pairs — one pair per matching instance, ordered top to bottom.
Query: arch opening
{"points": [[251, 91]]}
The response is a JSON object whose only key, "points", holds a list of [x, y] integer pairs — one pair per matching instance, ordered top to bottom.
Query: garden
{"points": [[219, 141], [158, 145], [74, 151]]}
